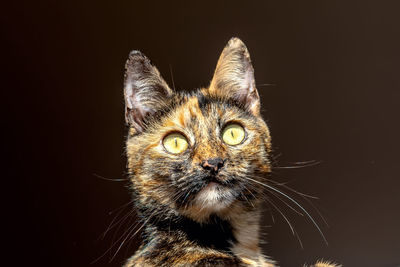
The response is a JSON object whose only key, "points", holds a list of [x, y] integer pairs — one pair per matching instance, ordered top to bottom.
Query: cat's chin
{"points": [[214, 198]]}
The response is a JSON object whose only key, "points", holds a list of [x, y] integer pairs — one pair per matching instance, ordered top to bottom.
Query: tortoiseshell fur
{"points": [[192, 217]]}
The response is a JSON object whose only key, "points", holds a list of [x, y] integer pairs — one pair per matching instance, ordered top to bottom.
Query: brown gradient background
{"points": [[336, 69]]}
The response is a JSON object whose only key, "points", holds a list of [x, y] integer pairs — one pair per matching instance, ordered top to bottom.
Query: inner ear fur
{"points": [[234, 76], [145, 90]]}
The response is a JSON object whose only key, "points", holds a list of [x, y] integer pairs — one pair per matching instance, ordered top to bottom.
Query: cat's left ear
{"points": [[234, 76]]}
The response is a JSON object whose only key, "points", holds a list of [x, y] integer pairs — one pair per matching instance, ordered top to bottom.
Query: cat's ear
{"points": [[234, 76], [144, 89]]}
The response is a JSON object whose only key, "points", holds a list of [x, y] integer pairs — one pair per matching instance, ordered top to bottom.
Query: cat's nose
{"points": [[213, 165]]}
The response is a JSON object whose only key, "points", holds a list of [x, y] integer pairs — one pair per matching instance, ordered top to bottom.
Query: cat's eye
{"points": [[233, 134], [175, 143]]}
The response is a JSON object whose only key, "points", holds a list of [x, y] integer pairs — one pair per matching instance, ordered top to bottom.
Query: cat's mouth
{"points": [[215, 180], [219, 180]]}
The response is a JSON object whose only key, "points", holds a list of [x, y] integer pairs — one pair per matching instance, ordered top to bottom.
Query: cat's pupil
{"points": [[233, 136], [176, 142]]}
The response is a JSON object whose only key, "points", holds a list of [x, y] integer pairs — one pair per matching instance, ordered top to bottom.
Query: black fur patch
{"points": [[203, 101], [217, 234], [219, 262]]}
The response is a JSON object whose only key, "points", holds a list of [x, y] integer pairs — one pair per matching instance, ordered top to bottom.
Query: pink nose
{"points": [[213, 165]]}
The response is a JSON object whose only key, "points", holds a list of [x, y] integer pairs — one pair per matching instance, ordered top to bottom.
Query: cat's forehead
{"points": [[202, 110]]}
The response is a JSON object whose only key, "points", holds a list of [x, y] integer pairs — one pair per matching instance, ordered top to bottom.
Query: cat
{"points": [[196, 162]]}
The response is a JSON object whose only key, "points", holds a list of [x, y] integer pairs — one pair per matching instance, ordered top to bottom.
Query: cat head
{"points": [[192, 153]]}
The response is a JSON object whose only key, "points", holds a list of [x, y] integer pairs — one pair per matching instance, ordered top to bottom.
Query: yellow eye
{"points": [[233, 134], [175, 143]]}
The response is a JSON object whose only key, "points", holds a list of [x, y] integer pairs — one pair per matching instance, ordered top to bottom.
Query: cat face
{"points": [[192, 152]]}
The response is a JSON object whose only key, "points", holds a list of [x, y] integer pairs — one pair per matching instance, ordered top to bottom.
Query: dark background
{"points": [[335, 66]]}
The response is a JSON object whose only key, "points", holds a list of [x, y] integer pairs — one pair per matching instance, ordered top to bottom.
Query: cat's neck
{"points": [[237, 232], [247, 233]]}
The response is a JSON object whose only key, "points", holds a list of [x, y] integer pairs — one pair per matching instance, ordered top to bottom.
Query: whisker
{"points": [[172, 76], [267, 84], [300, 164], [108, 179], [245, 187], [286, 187], [302, 195], [247, 200], [296, 203], [287, 204], [121, 207], [315, 208], [155, 212], [272, 217], [286, 219], [120, 220], [129, 234], [124, 236], [298, 238], [115, 240], [113, 244]]}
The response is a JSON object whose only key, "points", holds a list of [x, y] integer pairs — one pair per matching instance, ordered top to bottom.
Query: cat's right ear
{"points": [[144, 89]]}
